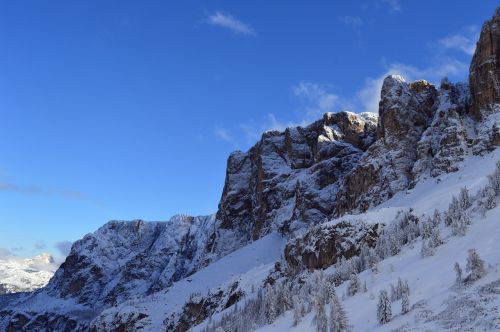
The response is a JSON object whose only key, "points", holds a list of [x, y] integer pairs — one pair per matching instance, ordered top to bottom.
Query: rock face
{"points": [[484, 74], [405, 112], [289, 179], [324, 245]]}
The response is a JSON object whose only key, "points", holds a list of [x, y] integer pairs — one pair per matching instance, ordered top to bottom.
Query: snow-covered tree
{"points": [[464, 199], [436, 220], [460, 222], [427, 227], [435, 239], [426, 250], [475, 265], [458, 274], [354, 285], [405, 303], [270, 304], [384, 310], [338, 317], [320, 319]]}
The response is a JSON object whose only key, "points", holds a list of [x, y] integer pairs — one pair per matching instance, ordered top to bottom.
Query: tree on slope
{"points": [[475, 265], [458, 273], [354, 285], [405, 303], [384, 310], [338, 317], [320, 319]]}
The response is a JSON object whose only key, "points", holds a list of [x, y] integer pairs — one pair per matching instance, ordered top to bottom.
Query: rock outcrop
{"points": [[484, 74], [405, 112], [289, 179], [324, 245]]}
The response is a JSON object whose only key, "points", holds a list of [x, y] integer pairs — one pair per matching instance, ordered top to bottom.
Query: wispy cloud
{"points": [[394, 5], [227, 21], [352, 21], [465, 41], [318, 98], [223, 134], [35, 190], [64, 247]]}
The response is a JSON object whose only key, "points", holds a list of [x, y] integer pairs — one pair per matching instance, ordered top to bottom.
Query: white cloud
{"points": [[394, 5], [228, 21], [353, 21], [465, 42], [317, 97], [223, 134]]}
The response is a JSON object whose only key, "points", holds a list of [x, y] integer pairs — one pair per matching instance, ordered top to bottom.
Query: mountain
{"points": [[362, 197], [25, 274]]}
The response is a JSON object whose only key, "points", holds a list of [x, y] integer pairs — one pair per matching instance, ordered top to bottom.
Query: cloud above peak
{"points": [[228, 21], [465, 42]]}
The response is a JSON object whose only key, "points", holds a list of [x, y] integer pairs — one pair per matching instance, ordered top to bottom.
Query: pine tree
{"points": [[490, 198], [464, 199], [437, 218], [427, 228], [435, 240], [426, 250], [475, 265], [458, 272], [354, 285], [405, 303], [270, 305], [384, 310], [338, 317], [321, 320]]}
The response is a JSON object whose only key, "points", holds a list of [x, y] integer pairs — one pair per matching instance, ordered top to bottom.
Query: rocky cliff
{"points": [[288, 182]]}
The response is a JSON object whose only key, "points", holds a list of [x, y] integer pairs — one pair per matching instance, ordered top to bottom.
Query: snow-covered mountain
{"points": [[365, 199], [25, 274]]}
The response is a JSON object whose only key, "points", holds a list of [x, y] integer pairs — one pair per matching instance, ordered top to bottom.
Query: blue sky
{"points": [[128, 109]]}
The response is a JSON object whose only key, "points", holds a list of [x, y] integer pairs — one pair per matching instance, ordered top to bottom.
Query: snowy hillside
{"points": [[25, 274]]}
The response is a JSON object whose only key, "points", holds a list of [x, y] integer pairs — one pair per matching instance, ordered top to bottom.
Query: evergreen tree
{"points": [[464, 199], [490, 201], [437, 218], [435, 240], [426, 250], [475, 265], [458, 272], [354, 285], [405, 303], [270, 305], [384, 310], [338, 317], [321, 320]]}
